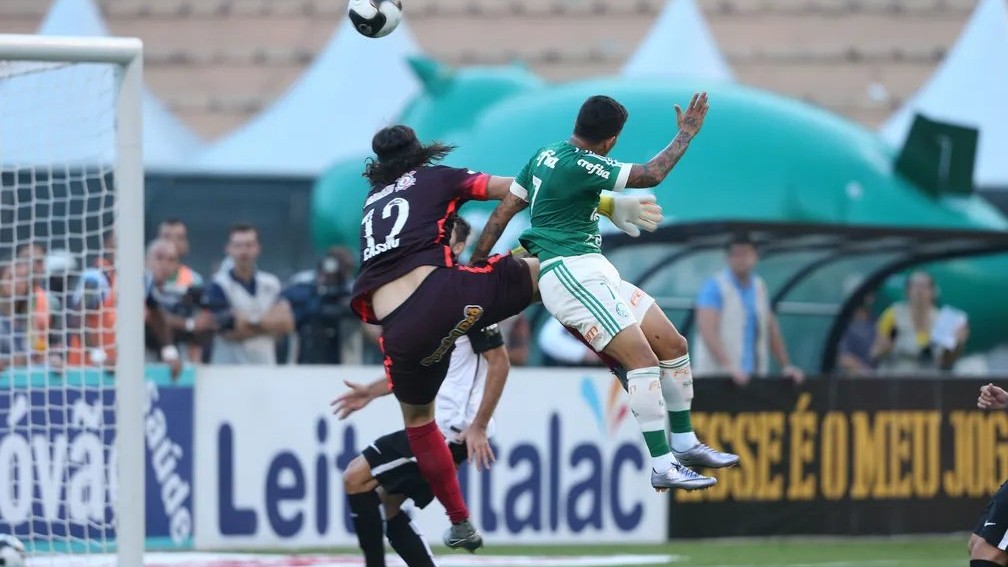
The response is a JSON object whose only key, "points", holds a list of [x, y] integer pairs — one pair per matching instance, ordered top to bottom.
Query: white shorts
{"points": [[586, 293]]}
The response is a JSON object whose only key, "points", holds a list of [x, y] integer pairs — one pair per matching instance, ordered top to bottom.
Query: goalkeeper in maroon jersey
{"points": [[411, 285]]}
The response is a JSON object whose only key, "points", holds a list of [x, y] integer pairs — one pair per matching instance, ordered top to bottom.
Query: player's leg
{"points": [[581, 293], [417, 342], [418, 346], [676, 380], [434, 460], [387, 469], [362, 498], [403, 535], [990, 540]]}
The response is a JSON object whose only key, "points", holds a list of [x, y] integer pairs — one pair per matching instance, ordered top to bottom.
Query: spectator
{"points": [[162, 262], [39, 305], [248, 310], [91, 311], [323, 320], [189, 324], [738, 330], [904, 341], [15, 347], [855, 349]]}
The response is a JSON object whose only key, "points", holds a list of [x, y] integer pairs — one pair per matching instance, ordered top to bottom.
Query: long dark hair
{"points": [[398, 151]]}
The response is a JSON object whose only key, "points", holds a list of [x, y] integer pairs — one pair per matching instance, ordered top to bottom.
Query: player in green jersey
{"points": [[561, 185]]}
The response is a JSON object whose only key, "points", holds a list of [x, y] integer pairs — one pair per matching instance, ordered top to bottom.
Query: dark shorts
{"points": [[419, 336], [393, 465], [993, 524]]}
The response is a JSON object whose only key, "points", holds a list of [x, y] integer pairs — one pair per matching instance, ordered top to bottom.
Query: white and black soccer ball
{"points": [[375, 18], [12, 551]]}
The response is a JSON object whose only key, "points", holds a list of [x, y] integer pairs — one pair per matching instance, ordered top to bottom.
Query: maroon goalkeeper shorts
{"points": [[419, 336]]}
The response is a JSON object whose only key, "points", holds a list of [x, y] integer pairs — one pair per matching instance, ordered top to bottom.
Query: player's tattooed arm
{"points": [[654, 171], [509, 206]]}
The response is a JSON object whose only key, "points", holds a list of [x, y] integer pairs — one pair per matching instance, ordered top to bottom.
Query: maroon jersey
{"points": [[408, 224]]}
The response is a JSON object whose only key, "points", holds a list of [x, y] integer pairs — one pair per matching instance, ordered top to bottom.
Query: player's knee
{"points": [[679, 345], [630, 348], [417, 415], [357, 476], [392, 504], [972, 543], [983, 551]]}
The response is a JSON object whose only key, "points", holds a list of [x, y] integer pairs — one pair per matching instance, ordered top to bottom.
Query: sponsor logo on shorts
{"points": [[636, 297], [621, 310], [473, 313], [592, 333]]}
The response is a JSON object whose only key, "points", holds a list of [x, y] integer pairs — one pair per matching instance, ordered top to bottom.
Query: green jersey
{"points": [[562, 184]]}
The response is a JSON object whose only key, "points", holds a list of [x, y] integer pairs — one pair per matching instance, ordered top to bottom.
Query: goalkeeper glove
{"points": [[630, 213]]}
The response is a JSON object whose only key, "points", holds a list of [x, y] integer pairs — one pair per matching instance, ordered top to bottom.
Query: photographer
{"points": [[249, 313], [323, 321], [190, 324]]}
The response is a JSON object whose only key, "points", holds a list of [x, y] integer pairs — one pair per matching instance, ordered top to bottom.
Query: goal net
{"points": [[71, 352]]}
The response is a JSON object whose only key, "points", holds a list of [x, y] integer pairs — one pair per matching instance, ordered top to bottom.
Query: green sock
{"points": [[679, 421], [656, 443]]}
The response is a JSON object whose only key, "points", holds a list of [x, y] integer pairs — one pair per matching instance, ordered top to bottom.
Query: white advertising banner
{"points": [[571, 466]]}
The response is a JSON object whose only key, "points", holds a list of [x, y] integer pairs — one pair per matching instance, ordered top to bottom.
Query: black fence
{"points": [[845, 456]]}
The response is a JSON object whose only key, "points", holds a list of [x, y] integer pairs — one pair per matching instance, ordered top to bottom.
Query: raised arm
{"points": [[654, 171], [509, 206]]}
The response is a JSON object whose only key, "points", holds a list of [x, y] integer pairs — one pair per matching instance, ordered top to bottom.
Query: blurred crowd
{"points": [[57, 313], [737, 333]]}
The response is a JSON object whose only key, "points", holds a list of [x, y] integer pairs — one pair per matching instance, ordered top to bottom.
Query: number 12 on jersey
{"points": [[373, 248]]}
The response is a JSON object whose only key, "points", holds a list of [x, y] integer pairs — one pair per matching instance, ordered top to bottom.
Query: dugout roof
{"points": [[816, 274]]}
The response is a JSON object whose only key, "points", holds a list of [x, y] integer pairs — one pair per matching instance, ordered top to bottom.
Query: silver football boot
{"points": [[701, 455], [680, 477], [463, 536]]}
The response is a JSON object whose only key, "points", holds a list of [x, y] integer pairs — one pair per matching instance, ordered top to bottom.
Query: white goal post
{"points": [[25, 54]]}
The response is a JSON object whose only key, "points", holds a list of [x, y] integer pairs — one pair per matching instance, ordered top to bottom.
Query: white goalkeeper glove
{"points": [[631, 213]]}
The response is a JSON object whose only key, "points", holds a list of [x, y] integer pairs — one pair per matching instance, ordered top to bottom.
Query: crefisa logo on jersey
{"points": [[594, 168]]}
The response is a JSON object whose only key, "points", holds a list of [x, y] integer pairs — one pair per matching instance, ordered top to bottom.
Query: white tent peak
{"points": [[73, 17], [679, 45], [355, 86], [969, 88], [167, 143]]}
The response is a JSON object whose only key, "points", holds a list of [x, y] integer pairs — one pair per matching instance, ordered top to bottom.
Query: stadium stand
{"points": [[850, 56]]}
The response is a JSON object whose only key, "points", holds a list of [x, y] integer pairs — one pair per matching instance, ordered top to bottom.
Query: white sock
{"points": [[677, 389], [648, 406], [682, 442], [663, 463]]}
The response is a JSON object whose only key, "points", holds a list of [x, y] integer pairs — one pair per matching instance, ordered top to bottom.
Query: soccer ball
{"points": [[375, 18], [12, 551]]}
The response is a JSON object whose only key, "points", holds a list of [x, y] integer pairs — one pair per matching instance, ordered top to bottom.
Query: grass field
{"points": [[932, 551]]}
